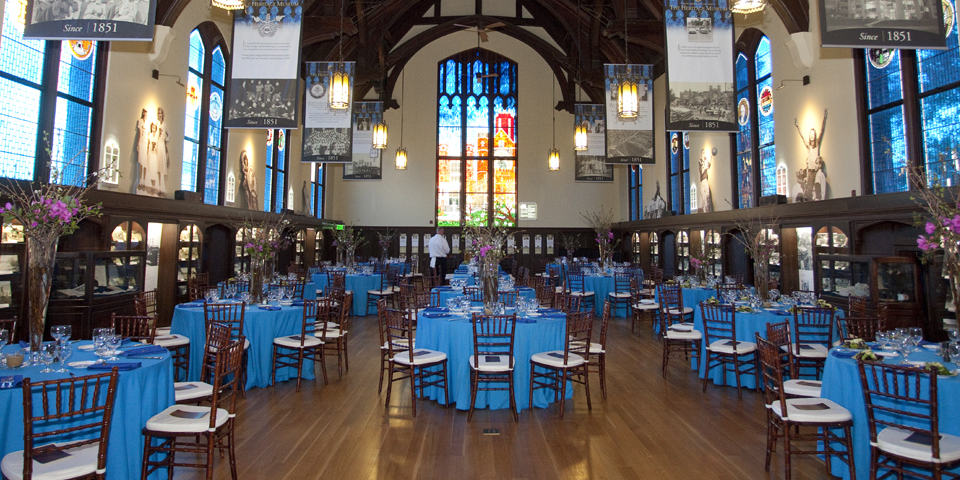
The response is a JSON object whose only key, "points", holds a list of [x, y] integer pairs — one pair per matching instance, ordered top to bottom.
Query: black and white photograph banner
{"points": [[93, 20], [885, 23], [266, 65], [699, 66], [327, 132], [629, 139], [366, 159], [590, 164]]}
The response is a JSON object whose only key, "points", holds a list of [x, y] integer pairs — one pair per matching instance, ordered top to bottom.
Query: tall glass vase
{"points": [[41, 254], [349, 261], [257, 273], [761, 279], [490, 284]]}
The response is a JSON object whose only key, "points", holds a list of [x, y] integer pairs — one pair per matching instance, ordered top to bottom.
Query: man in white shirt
{"points": [[439, 248]]}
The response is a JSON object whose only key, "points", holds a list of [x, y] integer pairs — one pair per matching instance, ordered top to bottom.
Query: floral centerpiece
{"points": [[45, 213], [601, 222], [941, 226], [265, 238], [384, 240], [347, 242], [569, 242], [487, 245], [761, 245], [699, 261]]}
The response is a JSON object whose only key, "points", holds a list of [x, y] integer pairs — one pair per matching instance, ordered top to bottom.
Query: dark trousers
{"points": [[441, 269]]}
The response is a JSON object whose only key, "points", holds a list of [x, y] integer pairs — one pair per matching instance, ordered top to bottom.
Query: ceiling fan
{"points": [[481, 30]]}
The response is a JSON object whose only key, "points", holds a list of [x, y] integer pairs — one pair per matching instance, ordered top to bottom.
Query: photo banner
{"points": [[96, 20], [901, 24], [266, 65], [699, 66], [327, 132], [629, 141], [366, 159], [590, 164]]}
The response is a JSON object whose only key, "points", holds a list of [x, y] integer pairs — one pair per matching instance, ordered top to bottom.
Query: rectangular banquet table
{"points": [[359, 284], [260, 327], [453, 335], [841, 383], [141, 394]]}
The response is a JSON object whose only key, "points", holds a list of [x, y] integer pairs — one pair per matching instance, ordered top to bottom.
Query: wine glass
{"points": [[773, 294], [65, 332], [55, 333], [954, 334], [916, 335], [114, 342], [101, 348], [48, 352], [65, 352]]}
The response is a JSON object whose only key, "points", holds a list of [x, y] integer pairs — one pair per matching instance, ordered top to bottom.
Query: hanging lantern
{"points": [[227, 4], [748, 6], [339, 89], [628, 101], [380, 135], [580, 138], [401, 158], [553, 162]]}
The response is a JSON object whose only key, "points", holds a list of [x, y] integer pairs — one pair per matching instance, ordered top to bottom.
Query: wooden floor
{"points": [[647, 428]]}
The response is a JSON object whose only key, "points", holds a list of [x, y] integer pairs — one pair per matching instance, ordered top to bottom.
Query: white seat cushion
{"points": [[382, 293], [582, 294], [619, 295], [646, 306], [675, 311], [161, 331], [332, 333], [683, 335], [171, 341], [293, 341], [403, 344], [246, 345], [594, 347], [727, 347], [811, 350], [420, 357], [555, 359], [492, 363], [802, 388], [183, 391], [819, 410], [171, 420], [894, 440], [80, 461]]}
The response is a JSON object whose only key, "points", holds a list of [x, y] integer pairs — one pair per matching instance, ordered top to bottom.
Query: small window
{"points": [[111, 163], [782, 180]]}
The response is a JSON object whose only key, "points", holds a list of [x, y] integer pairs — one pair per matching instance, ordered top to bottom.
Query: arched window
{"points": [[48, 93], [910, 111], [203, 132], [755, 139], [477, 140], [678, 172], [782, 180], [275, 182], [693, 198]]}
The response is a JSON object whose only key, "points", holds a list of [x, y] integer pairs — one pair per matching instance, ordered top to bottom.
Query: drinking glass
{"points": [[773, 294], [213, 295], [245, 297], [65, 332], [100, 332], [55, 333], [954, 334], [916, 336], [4, 338], [114, 341], [101, 348], [48, 352], [64, 354]]}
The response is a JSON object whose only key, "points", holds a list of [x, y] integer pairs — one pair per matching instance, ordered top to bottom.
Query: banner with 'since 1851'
{"points": [[93, 20], [700, 84], [327, 132], [629, 140]]}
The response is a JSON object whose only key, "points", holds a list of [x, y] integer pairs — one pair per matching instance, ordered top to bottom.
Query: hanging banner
{"points": [[94, 20], [900, 24], [699, 66], [265, 72], [327, 132], [629, 141], [366, 164], [590, 165]]}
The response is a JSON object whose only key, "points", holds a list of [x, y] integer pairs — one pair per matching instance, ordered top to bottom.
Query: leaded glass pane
{"points": [[196, 52], [19, 57], [763, 58], [218, 68], [937, 68], [743, 72], [77, 77], [883, 84], [19, 109], [450, 121], [215, 122], [764, 122], [478, 127], [504, 127], [191, 128], [941, 134], [69, 143], [888, 151], [768, 170], [188, 176], [477, 176], [505, 176], [745, 179], [211, 183], [449, 186], [267, 189], [280, 197], [686, 199], [477, 209], [505, 210]]}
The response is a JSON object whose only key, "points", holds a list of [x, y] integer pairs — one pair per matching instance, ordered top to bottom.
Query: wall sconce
{"points": [[805, 80]]}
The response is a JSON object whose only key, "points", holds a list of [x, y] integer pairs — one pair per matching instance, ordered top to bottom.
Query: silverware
{"points": [[152, 358]]}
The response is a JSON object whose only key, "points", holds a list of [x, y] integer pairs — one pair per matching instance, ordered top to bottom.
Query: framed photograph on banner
{"points": [[131, 20], [907, 25], [327, 132], [629, 139], [366, 164], [590, 165], [537, 244]]}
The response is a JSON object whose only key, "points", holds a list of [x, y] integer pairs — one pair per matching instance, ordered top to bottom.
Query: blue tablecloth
{"points": [[358, 284], [602, 286], [309, 290], [447, 293], [259, 326], [455, 338], [841, 383], [141, 394]]}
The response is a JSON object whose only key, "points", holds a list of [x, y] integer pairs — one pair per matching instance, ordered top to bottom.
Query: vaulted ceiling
{"points": [[379, 34]]}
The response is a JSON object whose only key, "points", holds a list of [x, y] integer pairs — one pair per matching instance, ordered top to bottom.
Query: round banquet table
{"points": [[358, 284], [602, 286], [309, 290], [446, 293], [260, 327], [453, 335], [841, 383], [141, 394]]}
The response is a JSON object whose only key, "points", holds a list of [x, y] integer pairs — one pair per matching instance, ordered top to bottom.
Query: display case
{"points": [[880, 279], [89, 286]]}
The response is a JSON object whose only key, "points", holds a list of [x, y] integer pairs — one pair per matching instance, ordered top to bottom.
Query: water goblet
{"points": [[773, 294], [245, 297], [65, 332], [100, 332], [55, 333], [954, 334], [114, 342], [101, 348], [48, 352], [64, 353]]}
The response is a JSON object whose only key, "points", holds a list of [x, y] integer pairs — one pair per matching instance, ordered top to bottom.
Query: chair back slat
{"points": [[337, 279], [575, 282], [621, 282], [475, 294], [671, 296], [508, 298], [567, 303], [856, 306], [719, 322], [812, 325], [140, 328], [400, 328], [864, 328], [579, 329], [493, 335], [218, 337], [771, 371], [226, 383]]}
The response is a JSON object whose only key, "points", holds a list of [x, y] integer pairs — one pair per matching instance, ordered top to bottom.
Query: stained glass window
{"points": [[66, 130], [203, 133], [755, 138], [477, 140], [678, 172], [275, 174], [635, 179], [316, 190]]}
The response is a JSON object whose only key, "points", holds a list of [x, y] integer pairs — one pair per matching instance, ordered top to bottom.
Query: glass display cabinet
{"points": [[654, 249], [188, 251], [683, 253], [713, 253], [880, 279], [89, 286]]}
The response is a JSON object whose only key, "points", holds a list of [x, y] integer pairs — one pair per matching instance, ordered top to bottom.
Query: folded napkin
{"points": [[297, 303], [190, 305], [269, 307], [436, 310], [548, 310], [780, 312], [435, 314], [526, 320], [148, 350], [843, 353], [120, 366], [10, 381]]}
